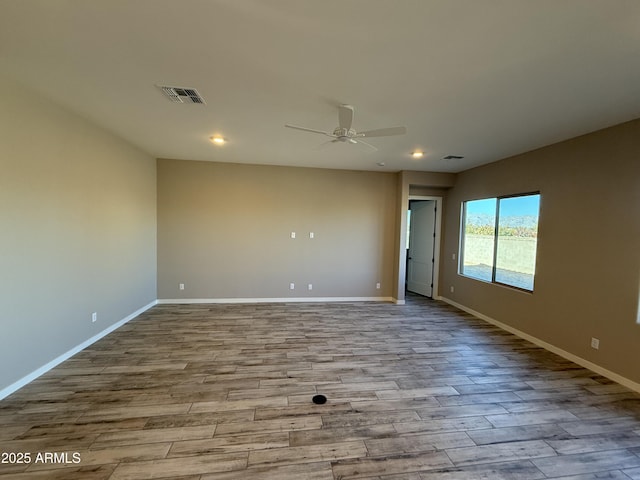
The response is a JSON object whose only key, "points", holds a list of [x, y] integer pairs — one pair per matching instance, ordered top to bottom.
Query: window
{"points": [[499, 239]]}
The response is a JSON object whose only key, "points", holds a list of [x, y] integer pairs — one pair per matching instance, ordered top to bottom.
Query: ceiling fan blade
{"points": [[345, 116], [305, 129], [383, 132], [363, 143], [324, 145]]}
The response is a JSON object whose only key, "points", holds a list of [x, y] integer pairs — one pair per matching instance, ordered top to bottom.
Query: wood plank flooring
{"points": [[415, 392]]}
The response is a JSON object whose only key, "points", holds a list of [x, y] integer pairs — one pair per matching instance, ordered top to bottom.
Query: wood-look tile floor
{"points": [[415, 392]]}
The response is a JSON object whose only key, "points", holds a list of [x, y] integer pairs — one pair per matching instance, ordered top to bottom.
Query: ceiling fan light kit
{"points": [[345, 134]]}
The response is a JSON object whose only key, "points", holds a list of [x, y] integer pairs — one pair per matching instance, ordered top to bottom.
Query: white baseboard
{"points": [[163, 301], [552, 348], [5, 392]]}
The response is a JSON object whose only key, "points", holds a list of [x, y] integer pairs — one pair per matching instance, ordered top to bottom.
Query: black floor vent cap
{"points": [[319, 399]]}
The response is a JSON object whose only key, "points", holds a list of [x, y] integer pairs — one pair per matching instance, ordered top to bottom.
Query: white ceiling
{"points": [[481, 78]]}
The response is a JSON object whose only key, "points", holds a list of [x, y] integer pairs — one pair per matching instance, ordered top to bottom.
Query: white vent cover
{"points": [[182, 95]]}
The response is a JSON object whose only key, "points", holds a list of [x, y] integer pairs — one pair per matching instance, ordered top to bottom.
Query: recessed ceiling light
{"points": [[218, 140], [417, 154]]}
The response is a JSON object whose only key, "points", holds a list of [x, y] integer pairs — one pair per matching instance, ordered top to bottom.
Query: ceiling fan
{"points": [[344, 133]]}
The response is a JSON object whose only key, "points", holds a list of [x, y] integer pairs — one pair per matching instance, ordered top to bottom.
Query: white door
{"points": [[420, 257]]}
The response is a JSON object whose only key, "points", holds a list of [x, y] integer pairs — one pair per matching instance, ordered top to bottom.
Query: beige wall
{"points": [[78, 231], [224, 231], [588, 265]]}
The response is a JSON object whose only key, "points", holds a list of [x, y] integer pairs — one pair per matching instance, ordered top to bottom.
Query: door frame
{"points": [[430, 228], [435, 292]]}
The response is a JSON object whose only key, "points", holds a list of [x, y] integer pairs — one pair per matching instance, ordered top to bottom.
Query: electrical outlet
{"points": [[293, 234], [181, 286], [292, 286], [310, 286], [378, 286], [451, 289], [94, 317], [595, 343]]}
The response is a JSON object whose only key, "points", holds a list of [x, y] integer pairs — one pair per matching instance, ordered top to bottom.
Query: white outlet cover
{"points": [[292, 286]]}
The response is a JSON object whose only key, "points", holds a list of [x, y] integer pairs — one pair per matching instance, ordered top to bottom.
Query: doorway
{"points": [[422, 246]]}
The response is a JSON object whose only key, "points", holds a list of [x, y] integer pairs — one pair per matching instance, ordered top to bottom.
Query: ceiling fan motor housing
{"points": [[344, 134]]}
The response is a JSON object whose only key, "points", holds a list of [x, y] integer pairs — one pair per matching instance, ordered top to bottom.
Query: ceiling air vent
{"points": [[182, 95], [452, 157]]}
